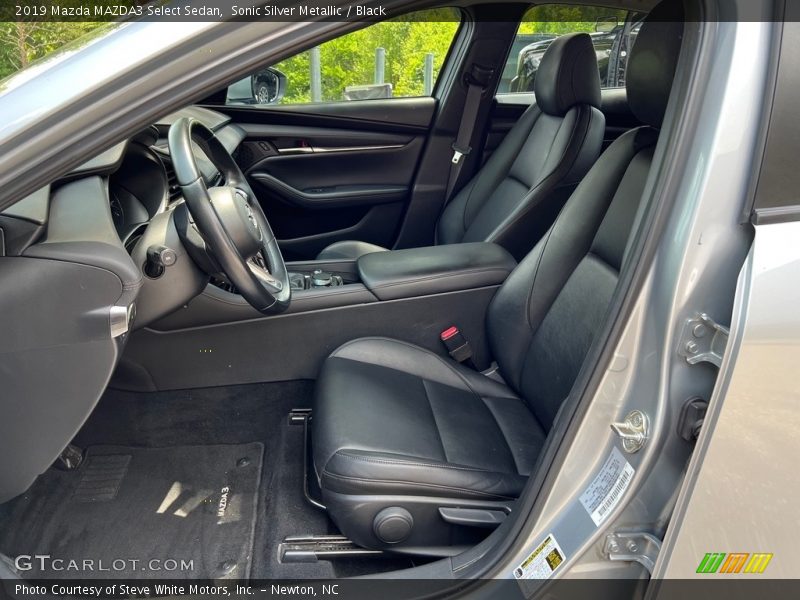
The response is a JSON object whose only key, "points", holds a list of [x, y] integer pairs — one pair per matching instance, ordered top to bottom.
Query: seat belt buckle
{"points": [[459, 152], [457, 345]]}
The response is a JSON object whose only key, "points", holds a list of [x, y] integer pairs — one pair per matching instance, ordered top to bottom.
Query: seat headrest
{"points": [[652, 62], [567, 75]]}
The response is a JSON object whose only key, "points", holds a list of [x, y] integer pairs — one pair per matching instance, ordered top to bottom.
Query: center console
{"points": [[434, 270], [321, 274], [396, 274], [316, 279], [412, 295]]}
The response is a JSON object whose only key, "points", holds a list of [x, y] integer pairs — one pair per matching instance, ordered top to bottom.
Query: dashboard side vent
{"points": [[172, 182]]}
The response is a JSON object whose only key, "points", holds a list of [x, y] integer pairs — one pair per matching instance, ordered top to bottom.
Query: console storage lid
{"points": [[434, 269]]}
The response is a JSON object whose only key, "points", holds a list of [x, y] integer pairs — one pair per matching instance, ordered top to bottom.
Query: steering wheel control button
{"points": [[243, 203], [237, 218], [158, 259], [265, 277], [393, 525]]}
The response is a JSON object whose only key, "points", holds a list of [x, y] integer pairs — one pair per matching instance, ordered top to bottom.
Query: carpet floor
{"points": [[194, 438]]}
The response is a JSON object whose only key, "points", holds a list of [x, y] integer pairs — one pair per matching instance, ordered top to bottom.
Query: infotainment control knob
{"points": [[320, 278]]}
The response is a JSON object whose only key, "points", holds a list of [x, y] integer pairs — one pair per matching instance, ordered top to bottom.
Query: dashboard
{"points": [[140, 181], [143, 184], [138, 190], [109, 211], [72, 256]]}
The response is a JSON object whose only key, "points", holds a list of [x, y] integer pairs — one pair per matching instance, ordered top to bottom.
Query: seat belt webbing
{"points": [[477, 81]]}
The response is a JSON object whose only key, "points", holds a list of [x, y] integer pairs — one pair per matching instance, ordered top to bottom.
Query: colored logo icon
{"points": [[734, 562]]}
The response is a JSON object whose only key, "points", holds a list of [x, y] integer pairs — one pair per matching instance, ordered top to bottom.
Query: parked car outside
{"points": [[612, 48]]}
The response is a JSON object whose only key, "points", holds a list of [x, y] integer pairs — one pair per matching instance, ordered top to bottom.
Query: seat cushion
{"points": [[348, 250], [394, 418]]}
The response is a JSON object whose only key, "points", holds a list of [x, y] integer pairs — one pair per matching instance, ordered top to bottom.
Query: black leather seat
{"points": [[515, 197], [402, 437]]}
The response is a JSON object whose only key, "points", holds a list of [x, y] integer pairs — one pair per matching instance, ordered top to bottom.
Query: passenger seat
{"points": [[516, 196], [410, 447]]}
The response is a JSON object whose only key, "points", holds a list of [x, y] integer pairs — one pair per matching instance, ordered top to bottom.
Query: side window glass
{"points": [[610, 30], [626, 43], [398, 58]]}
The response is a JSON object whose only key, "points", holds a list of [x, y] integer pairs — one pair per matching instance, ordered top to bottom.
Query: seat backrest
{"points": [[515, 197], [544, 318]]}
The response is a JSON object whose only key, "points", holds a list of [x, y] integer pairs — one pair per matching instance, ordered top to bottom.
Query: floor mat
{"points": [[179, 512]]}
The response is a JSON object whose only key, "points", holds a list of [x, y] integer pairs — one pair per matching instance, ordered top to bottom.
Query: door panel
{"points": [[330, 172]]}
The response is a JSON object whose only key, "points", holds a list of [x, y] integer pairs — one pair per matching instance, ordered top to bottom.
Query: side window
{"points": [[612, 32], [398, 58]]}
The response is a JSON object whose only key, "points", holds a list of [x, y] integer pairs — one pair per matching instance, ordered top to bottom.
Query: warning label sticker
{"points": [[608, 486], [541, 563]]}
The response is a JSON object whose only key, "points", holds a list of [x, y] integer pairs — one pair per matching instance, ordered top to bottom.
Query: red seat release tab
{"points": [[449, 333]]}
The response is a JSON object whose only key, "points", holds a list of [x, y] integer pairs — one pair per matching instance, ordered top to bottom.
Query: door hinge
{"points": [[703, 340], [636, 546]]}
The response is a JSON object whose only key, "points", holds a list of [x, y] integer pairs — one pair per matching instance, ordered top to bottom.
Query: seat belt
{"points": [[477, 81]]}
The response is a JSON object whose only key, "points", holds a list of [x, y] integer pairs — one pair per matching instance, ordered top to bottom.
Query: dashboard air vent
{"points": [[172, 182]]}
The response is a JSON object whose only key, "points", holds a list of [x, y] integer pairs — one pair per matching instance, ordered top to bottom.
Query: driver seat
{"points": [[412, 450]]}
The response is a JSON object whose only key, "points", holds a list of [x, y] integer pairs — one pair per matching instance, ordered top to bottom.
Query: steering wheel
{"points": [[230, 219]]}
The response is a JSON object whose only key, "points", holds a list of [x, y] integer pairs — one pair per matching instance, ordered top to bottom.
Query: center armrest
{"points": [[434, 269]]}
